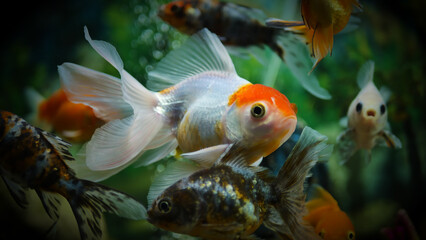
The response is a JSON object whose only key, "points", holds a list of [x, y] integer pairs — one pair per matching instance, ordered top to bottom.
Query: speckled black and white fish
{"points": [[367, 117], [31, 158], [231, 199]]}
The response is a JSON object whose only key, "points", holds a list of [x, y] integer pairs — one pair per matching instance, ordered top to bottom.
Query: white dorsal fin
{"points": [[106, 50], [201, 53], [365, 74]]}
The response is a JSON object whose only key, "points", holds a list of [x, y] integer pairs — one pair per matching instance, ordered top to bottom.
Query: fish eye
{"points": [[174, 8], [358, 107], [382, 109], [258, 110], [164, 206], [321, 234], [351, 235]]}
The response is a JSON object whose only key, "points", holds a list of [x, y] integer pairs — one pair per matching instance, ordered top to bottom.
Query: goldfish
{"points": [[322, 20], [235, 24], [242, 26], [197, 103], [75, 122], [367, 124], [32, 158], [231, 199], [329, 221]]}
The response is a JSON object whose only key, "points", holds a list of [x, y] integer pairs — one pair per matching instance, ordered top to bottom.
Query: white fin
{"points": [[106, 50], [202, 53], [298, 60], [365, 74], [100, 91], [386, 93], [344, 122], [389, 140], [121, 141], [346, 146], [156, 154], [206, 157], [82, 171], [174, 172]]}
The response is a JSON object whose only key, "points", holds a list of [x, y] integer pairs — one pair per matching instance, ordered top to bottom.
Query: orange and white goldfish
{"points": [[322, 20], [238, 25], [203, 107], [367, 119], [75, 122], [31, 158], [231, 199], [329, 221]]}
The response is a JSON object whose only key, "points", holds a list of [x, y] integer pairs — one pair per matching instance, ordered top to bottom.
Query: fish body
{"points": [[322, 20], [235, 24], [198, 104], [367, 118], [74, 122], [32, 158], [230, 200], [329, 221]]}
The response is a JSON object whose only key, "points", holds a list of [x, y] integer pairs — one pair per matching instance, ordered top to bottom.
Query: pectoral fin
{"points": [[389, 140], [346, 145]]}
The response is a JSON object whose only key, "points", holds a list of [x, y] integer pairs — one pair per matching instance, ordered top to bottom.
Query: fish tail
{"points": [[134, 123], [310, 148], [90, 199]]}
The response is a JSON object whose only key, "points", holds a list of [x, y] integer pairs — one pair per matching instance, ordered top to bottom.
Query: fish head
{"points": [[182, 15], [367, 111], [262, 116], [177, 209], [335, 225]]}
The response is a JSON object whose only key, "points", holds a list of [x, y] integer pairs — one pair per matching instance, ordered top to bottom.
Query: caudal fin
{"points": [[133, 125], [310, 148], [92, 199]]}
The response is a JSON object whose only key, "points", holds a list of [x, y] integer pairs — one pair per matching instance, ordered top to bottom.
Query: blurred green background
{"points": [[42, 35]]}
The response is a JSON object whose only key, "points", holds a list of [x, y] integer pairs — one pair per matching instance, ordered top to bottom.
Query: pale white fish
{"points": [[202, 103], [366, 119]]}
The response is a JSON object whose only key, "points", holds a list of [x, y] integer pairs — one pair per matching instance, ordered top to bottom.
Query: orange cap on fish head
{"points": [[266, 116]]}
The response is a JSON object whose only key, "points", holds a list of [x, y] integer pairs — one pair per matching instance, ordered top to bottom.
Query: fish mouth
{"points": [[371, 113]]}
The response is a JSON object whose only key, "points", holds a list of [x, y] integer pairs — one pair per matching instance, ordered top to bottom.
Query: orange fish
{"points": [[323, 19], [74, 122], [31, 158], [329, 221]]}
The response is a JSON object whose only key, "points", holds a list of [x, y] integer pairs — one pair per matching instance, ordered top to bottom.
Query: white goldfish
{"points": [[203, 108], [367, 119]]}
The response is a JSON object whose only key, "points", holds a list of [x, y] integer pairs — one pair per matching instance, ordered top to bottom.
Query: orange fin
{"points": [[320, 198]]}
